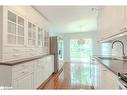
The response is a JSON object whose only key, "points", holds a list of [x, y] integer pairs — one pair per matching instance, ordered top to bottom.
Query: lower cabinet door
{"points": [[50, 65], [95, 74], [39, 77], [102, 78], [108, 80], [25, 82]]}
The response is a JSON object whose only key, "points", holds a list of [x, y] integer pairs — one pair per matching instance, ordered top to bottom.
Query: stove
{"points": [[122, 80]]}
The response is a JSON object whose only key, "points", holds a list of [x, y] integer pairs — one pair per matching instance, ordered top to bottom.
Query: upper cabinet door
{"points": [[116, 19], [111, 21], [101, 25], [125, 28], [15, 29], [31, 34], [40, 37], [46, 41]]}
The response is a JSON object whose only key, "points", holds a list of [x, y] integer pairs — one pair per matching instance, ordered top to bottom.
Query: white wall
{"points": [[68, 36]]}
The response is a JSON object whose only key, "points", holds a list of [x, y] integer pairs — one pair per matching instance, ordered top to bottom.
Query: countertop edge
{"points": [[99, 60], [20, 61]]}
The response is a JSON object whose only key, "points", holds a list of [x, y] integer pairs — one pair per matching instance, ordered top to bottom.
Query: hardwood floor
{"points": [[73, 76]]}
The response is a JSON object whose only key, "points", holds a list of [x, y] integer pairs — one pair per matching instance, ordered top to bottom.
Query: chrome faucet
{"points": [[122, 47]]}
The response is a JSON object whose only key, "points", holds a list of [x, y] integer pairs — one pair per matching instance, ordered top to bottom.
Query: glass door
{"points": [[80, 50]]}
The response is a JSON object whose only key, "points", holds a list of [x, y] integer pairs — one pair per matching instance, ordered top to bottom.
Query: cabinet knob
{"points": [[124, 28], [121, 30], [15, 49], [16, 55], [23, 65], [104, 70], [23, 72]]}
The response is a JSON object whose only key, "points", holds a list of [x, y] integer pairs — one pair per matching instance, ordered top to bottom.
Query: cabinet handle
{"points": [[124, 28], [121, 30], [32, 49], [15, 50], [16, 55], [23, 65], [38, 65], [104, 70], [23, 72]]}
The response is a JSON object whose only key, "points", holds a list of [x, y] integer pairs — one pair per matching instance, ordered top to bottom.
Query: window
{"points": [[80, 52]]}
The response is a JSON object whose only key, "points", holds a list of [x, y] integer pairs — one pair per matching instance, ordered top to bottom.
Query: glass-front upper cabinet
{"points": [[15, 29], [31, 34], [40, 37], [46, 39]]}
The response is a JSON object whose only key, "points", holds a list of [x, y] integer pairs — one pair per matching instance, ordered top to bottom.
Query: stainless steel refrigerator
{"points": [[57, 49]]}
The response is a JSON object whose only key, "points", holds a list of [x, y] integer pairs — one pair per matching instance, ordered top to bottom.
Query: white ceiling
{"points": [[70, 19]]}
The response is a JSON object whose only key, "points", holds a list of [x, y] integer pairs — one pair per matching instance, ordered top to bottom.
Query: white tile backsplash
{"points": [[117, 49]]}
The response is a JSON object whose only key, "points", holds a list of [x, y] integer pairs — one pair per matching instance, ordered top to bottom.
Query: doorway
{"points": [[80, 50]]}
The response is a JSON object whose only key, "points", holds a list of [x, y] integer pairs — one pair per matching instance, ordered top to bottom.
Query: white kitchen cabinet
{"points": [[111, 21], [125, 21], [101, 25], [15, 29], [31, 34], [19, 36], [40, 37], [19, 40], [46, 41], [50, 61], [43, 69], [40, 72], [95, 74], [23, 75], [27, 75], [5, 76], [101, 77], [108, 80], [25, 82]]}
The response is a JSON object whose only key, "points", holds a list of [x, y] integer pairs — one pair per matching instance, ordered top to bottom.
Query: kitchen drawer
{"points": [[48, 59], [42, 60], [40, 63], [23, 66], [39, 66], [21, 73]]}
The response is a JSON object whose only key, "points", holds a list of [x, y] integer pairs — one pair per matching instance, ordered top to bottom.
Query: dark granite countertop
{"points": [[20, 61], [116, 66]]}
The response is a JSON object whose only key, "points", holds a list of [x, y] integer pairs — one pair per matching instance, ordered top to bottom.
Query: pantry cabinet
{"points": [[111, 21], [101, 77]]}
